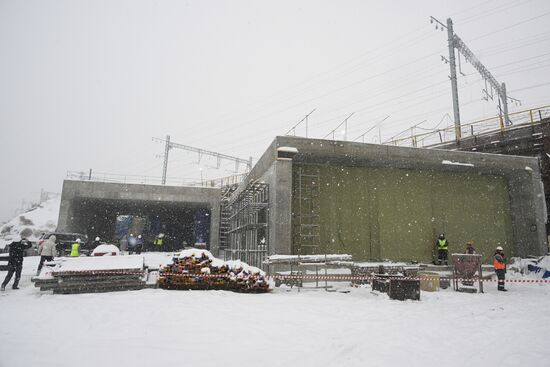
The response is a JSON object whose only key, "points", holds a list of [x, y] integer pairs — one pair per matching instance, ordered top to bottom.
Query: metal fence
{"points": [[475, 128], [153, 180]]}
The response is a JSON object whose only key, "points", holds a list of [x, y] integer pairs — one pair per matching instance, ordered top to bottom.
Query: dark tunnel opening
{"points": [[183, 224]]}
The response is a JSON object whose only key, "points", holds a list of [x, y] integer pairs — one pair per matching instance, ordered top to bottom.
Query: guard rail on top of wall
{"points": [[518, 119]]}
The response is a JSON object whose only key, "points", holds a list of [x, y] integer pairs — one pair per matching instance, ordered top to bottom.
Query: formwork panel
{"points": [[379, 213]]}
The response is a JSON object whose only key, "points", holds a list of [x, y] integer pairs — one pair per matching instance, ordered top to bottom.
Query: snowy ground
{"points": [[283, 328]]}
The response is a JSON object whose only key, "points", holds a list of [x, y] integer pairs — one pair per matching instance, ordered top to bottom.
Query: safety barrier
{"points": [[435, 137], [153, 180], [362, 278]]}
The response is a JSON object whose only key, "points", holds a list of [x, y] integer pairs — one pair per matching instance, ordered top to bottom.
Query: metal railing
{"points": [[475, 128], [153, 180]]}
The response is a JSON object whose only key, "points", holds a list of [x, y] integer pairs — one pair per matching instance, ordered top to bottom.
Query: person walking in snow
{"points": [[442, 246], [47, 251], [15, 261], [499, 263]]}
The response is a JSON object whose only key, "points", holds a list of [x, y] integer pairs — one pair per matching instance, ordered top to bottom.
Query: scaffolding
{"points": [[248, 225], [306, 227]]}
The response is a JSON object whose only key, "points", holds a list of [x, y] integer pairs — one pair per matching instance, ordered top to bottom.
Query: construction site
{"points": [[486, 181], [373, 201]]}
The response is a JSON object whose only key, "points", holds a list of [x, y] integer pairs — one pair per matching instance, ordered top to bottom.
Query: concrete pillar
{"points": [[280, 208], [215, 229]]}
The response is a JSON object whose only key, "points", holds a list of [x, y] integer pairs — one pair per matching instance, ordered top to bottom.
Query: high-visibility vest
{"points": [[158, 241], [442, 244], [74, 250], [499, 265]]}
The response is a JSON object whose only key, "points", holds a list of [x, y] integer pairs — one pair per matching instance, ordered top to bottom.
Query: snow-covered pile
{"points": [[32, 223], [106, 250], [218, 263], [93, 264], [534, 268], [199, 269]]}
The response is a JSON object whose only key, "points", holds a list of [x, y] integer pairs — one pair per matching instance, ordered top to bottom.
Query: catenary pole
{"points": [[454, 83], [165, 165]]}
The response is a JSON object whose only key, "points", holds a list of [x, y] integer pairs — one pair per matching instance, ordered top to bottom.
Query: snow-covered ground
{"points": [[155, 327]]}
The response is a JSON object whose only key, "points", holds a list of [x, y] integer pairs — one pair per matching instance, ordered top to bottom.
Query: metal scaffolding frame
{"points": [[225, 214], [306, 217], [248, 223]]}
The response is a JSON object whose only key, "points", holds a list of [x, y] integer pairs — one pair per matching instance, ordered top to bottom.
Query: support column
{"points": [[454, 84]]}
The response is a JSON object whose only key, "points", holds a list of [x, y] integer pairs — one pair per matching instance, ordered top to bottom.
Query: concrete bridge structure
{"points": [[312, 196], [92, 208]]}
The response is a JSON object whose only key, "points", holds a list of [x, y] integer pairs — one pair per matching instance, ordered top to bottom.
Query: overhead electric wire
{"points": [[489, 12], [509, 27], [476, 38], [368, 52], [363, 80], [530, 87], [416, 101], [380, 104]]}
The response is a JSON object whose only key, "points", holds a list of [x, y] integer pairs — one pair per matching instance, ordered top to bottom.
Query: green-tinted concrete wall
{"points": [[388, 213]]}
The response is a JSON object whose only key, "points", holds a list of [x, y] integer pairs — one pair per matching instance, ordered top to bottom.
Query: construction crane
{"points": [[202, 152]]}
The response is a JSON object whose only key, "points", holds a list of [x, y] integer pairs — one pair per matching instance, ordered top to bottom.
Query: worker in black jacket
{"points": [[15, 261]]}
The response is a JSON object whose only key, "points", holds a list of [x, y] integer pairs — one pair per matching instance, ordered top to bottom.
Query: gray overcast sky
{"points": [[86, 84]]}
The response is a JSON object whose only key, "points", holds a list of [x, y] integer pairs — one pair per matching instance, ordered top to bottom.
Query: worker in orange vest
{"points": [[499, 263]]}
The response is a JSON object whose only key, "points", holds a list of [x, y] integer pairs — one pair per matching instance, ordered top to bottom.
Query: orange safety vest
{"points": [[498, 265]]}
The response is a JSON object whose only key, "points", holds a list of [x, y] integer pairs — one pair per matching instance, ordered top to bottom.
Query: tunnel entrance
{"points": [[185, 215], [183, 224]]}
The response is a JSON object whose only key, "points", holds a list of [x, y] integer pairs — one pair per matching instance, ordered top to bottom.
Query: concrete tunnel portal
{"points": [[186, 215]]}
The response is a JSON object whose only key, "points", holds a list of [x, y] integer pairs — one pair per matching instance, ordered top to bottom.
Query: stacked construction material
{"points": [[297, 259], [195, 269], [363, 272], [93, 275]]}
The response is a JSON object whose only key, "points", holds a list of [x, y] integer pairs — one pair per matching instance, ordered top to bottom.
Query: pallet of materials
{"points": [[196, 269], [367, 270], [93, 275]]}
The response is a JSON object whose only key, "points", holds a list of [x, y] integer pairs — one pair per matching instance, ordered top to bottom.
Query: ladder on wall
{"points": [[225, 214], [307, 228]]}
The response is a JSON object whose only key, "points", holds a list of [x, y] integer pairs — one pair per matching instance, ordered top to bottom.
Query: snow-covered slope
{"points": [[33, 222]]}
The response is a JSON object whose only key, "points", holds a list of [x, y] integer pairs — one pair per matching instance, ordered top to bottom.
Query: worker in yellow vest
{"points": [[159, 242], [442, 246], [75, 248]]}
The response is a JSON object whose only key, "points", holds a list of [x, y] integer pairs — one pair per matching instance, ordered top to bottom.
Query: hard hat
{"points": [[131, 234], [139, 236], [442, 236], [97, 238], [78, 240], [499, 248]]}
